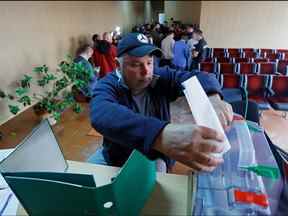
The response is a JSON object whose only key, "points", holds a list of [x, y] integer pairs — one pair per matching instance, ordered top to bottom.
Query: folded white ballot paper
{"points": [[202, 110]]}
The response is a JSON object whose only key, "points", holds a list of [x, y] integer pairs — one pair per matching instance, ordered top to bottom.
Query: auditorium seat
{"points": [[233, 50], [248, 50], [264, 52], [220, 54], [234, 55], [250, 55], [273, 57], [208, 59], [222, 60], [240, 60], [258, 60], [209, 67], [282, 67], [226, 68], [246, 68], [266, 68], [232, 87], [257, 90], [279, 94]]}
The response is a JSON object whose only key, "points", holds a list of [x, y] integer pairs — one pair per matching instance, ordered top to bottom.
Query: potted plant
{"points": [[56, 95]]}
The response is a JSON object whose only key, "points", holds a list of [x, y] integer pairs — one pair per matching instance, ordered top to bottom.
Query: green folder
{"points": [[53, 193]]}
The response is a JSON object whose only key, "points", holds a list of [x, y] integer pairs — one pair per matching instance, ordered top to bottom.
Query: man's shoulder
{"points": [[79, 59], [110, 78]]}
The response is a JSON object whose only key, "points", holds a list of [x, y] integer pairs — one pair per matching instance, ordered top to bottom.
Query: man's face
{"points": [[190, 29], [195, 36], [90, 52], [137, 71]]}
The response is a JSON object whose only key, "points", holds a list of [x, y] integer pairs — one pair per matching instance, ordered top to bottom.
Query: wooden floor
{"points": [[78, 140]]}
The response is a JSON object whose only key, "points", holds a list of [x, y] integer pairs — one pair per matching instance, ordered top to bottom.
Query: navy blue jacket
{"points": [[123, 129]]}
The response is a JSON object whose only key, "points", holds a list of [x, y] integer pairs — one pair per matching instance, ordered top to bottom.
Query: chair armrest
{"points": [[270, 92], [244, 93]]}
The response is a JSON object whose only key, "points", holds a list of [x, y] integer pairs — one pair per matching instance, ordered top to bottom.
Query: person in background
{"points": [[189, 31], [156, 35], [95, 39], [167, 46], [200, 51], [181, 53], [83, 55], [104, 55], [130, 108]]}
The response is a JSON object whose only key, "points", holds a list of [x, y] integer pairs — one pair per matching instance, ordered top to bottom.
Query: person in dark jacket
{"points": [[200, 51], [130, 108]]}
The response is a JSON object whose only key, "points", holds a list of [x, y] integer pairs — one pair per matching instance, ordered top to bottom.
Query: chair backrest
{"points": [[217, 50], [233, 50], [248, 50], [281, 50], [265, 52], [220, 54], [249, 54], [234, 55], [273, 56], [208, 59], [222, 60], [239, 60], [258, 60], [209, 67], [282, 67], [226, 68], [246, 68], [266, 68], [231, 81], [257, 85], [280, 85]]}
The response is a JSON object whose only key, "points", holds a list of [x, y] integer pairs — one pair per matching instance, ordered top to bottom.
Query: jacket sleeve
{"points": [[171, 81], [120, 124]]}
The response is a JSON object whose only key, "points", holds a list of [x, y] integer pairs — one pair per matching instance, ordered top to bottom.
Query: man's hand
{"points": [[223, 110], [191, 145]]}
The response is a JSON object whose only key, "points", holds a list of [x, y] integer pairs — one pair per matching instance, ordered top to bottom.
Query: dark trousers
{"points": [[164, 62]]}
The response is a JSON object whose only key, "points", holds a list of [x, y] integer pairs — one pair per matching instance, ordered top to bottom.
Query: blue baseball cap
{"points": [[137, 44]]}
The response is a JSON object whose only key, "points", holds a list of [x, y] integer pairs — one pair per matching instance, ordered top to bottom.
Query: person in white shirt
{"points": [[167, 46]]}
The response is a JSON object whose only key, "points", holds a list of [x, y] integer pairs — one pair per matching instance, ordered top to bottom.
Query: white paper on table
{"points": [[202, 109], [8, 201]]}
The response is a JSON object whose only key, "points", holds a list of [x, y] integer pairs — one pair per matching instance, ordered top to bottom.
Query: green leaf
{"points": [[45, 68], [38, 69], [25, 82], [41, 82], [61, 83], [20, 91], [25, 100], [77, 108], [13, 109], [56, 116]]}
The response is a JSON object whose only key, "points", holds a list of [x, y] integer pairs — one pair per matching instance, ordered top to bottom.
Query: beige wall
{"points": [[185, 11], [257, 24], [36, 33]]}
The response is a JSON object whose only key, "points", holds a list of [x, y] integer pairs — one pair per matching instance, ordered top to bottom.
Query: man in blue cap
{"points": [[130, 108]]}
